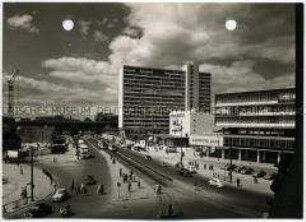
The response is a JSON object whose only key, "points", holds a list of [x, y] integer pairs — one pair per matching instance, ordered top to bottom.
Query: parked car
{"points": [[171, 150], [148, 157], [164, 164], [229, 167], [191, 169], [238, 169], [247, 170], [184, 172], [259, 174], [270, 176], [4, 180], [89, 180], [215, 182], [60, 195], [38, 211]]}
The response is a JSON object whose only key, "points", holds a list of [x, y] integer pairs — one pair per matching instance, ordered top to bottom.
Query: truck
{"points": [[58, 145]]}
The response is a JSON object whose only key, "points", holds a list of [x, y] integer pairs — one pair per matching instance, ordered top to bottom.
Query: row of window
{"points": [[255, 97], [254, 110], [258, 143]]}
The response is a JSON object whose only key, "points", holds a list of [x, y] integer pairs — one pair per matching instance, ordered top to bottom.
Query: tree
{"points": [[87, 119], [286, 188]]}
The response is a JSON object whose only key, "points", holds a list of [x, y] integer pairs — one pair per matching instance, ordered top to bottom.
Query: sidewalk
{"points": [[16, 181], [246, 181], [122, 193]]}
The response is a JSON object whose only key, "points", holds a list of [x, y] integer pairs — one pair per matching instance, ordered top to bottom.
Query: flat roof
{"points": [[163, 69], [255, 91]]}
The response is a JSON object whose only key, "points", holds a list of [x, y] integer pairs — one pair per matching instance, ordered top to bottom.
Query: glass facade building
{"points": [[148, 95], [257, 122]]}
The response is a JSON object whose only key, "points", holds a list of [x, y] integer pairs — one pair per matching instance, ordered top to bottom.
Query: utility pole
{"points": [[11, 97], [181, 143], [231, 165], [32, 175]]}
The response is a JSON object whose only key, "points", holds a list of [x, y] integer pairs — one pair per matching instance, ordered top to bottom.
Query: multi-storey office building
{"points": [[148, 95], [257, 125]]}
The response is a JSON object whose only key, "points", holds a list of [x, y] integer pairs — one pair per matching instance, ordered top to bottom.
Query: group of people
{"points": [[129, 178], [82, 189]]}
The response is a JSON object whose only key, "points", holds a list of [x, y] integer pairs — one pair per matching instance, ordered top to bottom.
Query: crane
{"points": [[11, 98]]}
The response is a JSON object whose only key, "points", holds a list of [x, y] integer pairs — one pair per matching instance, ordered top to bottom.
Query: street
{"points": [[186, 197]]}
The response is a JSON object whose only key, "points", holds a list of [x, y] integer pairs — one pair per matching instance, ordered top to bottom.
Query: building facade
{"points": [[148, 95], [187, 123], [257, 125]]}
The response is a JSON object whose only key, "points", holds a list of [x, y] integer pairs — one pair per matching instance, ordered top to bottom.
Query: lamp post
{"points": [[181, 143], [231, 165], [32, 175]]}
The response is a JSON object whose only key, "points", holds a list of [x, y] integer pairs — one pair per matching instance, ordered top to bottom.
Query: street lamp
{"points": [[181, 142], [231, 165], [32, 174]]}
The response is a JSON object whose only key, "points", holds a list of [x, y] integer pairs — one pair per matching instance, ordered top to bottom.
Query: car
{"points": [[102, 144], [171, 150], [148, 157], [164, 164], [191, 169], [247, 170], [184, 172], [270, 176], [4, 180], [90, 180], [215, 182], [60, 195], [39, 210]]}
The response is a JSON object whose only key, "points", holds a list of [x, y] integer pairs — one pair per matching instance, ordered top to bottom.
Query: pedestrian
{"points": [[21, 170], [120, 172], [125, 177], [255, 179], [238, 182], [138, 184], [72, 185], [54, 187], [129, 187], [78, 188], [82, 189], [99, 189], [4, 209], [170, 210]]}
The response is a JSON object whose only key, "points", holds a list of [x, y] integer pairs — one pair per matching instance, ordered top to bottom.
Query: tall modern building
{"points": [[148, 95], [257, 125]]}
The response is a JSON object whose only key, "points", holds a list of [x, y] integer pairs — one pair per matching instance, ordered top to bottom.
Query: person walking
{"points": [[21, 170], [120, 172], [255, 179], [238, 182], [138, 184], [72, 187], [129, 187], [99, 189], [170, 210]]}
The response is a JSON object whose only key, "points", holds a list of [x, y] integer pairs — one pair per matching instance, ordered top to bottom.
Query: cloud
{"points": [[23, 22], [84, 27], [175, 33], [100, 37], [258, 55], [92, 75], [240, 76]]}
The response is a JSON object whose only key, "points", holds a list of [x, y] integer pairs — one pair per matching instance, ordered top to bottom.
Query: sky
{"points": [[81, 66]]}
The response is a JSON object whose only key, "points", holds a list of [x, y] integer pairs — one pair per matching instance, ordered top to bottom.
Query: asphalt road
{"points": [[65, 171], [186, 200], [202, 200]]}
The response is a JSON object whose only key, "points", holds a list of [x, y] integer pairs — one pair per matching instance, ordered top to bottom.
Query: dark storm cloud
{"points": [[83, 65]]}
